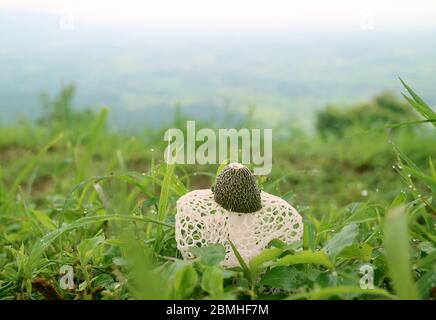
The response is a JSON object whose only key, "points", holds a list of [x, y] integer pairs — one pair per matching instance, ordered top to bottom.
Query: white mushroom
{"points": [[235, 210]]}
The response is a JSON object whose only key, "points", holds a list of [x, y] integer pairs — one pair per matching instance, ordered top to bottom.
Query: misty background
{"points": [[284, 60]]}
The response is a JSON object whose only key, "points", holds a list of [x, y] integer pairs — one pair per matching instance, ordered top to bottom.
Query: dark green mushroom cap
{"points": [[236, 189]]}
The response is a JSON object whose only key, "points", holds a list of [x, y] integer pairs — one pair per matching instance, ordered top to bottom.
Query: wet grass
{"points": [[75, 193]]}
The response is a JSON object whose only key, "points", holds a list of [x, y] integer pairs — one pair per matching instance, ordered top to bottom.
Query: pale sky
{"points": [[240, 14]]}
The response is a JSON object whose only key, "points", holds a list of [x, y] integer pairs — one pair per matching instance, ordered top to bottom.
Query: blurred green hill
{"points": [[350, 153]]}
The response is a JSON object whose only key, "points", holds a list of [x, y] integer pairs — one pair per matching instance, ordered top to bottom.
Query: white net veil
{"points": [[200, 221]]}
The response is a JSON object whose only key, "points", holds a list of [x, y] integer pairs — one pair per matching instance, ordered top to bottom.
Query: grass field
{"points": [[77, 196]]}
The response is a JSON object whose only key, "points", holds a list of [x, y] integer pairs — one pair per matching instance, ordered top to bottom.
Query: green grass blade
{"points": [[419, 104], [83, 158], [26, 171], [163, 200], [309, 240], [396, 242], [265, 256], [306, 257], [245, 268]]}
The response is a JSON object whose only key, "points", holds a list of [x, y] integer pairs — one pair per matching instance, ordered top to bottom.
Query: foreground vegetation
{"points": [[73, 192]]}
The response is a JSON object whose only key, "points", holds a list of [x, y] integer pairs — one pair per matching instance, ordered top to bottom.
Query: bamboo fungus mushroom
{"points": [[235, 210]]}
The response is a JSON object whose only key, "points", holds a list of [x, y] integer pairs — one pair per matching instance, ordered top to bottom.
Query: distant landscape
{"points": [[142, 77]]}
